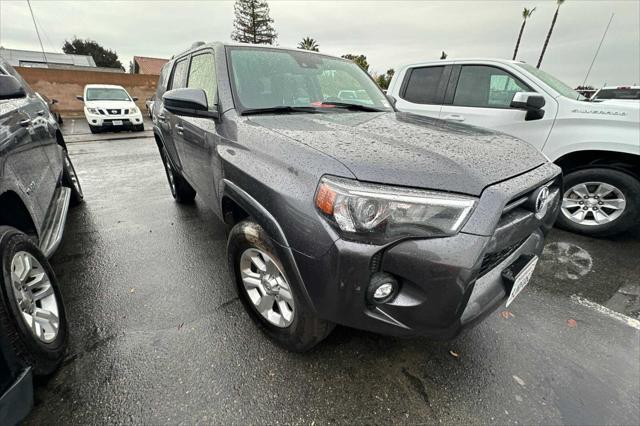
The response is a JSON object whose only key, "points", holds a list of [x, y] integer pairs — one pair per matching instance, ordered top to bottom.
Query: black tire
{"points": [[139, 128], [94, 129], [70, 180], [627, 184], [180, 189], [306, 330], [42, 357]]}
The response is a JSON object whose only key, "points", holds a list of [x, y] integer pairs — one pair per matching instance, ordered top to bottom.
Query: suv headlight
{"points": [[92, 110], [133, 110], [379, 213]]}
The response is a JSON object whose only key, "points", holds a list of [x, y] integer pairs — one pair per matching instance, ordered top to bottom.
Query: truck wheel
{"points": [[94, 129], [71, 181], [181, 191], [599, 202], [271, 300], [31, 310]]}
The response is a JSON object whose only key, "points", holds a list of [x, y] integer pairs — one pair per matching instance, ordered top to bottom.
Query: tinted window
{"points": [[202, 75], [179, 79], [422, 87], [487, 87], [618, 94]]}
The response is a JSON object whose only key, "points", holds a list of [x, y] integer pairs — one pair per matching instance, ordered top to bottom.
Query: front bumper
{"points": [[107, 121], [445, 284]]}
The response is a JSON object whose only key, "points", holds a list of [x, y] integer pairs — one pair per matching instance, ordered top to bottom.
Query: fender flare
{"points": [[271, 226]]}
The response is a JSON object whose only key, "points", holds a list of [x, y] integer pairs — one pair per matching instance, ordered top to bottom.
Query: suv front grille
{"points": [[491, 260]]}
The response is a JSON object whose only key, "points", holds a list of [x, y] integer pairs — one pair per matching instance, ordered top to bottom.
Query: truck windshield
{"points": [[265, 79], [555, 84], [106, 94]]}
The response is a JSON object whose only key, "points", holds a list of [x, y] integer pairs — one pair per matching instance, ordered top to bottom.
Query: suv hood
{"points": [[109, 104], [409, 150]]}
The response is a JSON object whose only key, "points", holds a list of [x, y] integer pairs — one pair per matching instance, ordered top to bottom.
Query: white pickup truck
{"points": [[597, 144]]}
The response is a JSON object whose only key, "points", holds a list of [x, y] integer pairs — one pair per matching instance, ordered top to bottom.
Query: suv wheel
{"points": [[94, 129], [71, 181], [181, 191], [599, 202], [273, 302], [31, 310]]}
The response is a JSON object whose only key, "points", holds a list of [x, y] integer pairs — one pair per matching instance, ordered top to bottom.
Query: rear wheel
{"points": [[71, 181], [181, 191], [600, 202], [275, 303], [31, 311]]}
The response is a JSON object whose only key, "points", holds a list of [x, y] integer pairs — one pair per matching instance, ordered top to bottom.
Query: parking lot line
{"points": [[631, 322]]}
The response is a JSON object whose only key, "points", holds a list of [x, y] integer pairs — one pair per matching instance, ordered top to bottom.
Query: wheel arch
{"points": [[622, 161], [14, 213]]}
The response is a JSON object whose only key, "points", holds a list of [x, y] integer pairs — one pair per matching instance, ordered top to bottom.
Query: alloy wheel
{"points": [[593, 203], [267, 287], [35, 296]]}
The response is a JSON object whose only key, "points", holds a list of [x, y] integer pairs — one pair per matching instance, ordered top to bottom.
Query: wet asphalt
{"points": [[158, 335]]}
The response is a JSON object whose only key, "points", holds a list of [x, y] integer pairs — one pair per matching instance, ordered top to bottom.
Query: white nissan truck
{"points": [[597, 144]]}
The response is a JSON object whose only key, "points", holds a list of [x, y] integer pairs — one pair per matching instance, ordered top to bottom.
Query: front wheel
{"points": [[600, 202], [274, 302], [31, 310]]}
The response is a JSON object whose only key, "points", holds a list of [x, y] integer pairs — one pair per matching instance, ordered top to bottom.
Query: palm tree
{"points": [[526, 14], [553, 23], [308, 43]]}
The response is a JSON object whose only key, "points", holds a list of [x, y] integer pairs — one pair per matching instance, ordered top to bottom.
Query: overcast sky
{"points": [[389, 33]]}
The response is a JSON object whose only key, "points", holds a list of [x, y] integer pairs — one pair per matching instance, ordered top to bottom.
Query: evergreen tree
{"points": [[252, 23], [101, 56], [361, 60]]}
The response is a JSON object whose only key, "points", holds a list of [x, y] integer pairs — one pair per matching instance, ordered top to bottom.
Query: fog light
{"points": [[94, 121], [382, 288]]}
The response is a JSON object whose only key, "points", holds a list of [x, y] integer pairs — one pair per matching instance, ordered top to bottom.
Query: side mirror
{"points": [[10, 88], [80, 98], [135, 98], [54, 101], [190, 102], [530, 102]]}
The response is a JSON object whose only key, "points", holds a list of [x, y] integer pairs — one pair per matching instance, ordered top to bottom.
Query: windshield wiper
{"points": [[356, 107], [281, 109]]}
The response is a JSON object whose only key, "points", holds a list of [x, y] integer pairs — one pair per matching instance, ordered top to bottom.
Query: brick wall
{"points": [[65, 85]]}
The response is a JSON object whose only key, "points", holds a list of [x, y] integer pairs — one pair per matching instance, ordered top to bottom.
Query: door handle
{"points": [[41, 112], [453, 117], [161, 118], [25, 123], [179, 129]]}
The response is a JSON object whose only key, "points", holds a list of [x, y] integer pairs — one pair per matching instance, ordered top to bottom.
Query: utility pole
{"points": [[38, 33], [597, 50]]}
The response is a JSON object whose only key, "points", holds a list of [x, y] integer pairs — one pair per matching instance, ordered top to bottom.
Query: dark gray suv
{"points": [[37, 185], [342, 210]]}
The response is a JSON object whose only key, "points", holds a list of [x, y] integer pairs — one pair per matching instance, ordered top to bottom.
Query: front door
{"points": [[482, 97]]}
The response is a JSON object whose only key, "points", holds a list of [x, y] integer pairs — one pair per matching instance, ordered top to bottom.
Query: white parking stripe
{"points": [[631, 322]]}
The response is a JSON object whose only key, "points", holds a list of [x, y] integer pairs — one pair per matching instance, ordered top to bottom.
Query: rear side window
{"points": [[202, 75], [164, 78], [179, 79], [422, 85], [486, 87]]}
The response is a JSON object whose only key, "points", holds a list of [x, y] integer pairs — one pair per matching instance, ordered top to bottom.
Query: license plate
{"points": [[117, 122], [522, 278]]}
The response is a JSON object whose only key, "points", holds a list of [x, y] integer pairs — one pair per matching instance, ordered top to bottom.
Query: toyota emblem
{"points": [[542, 202]]}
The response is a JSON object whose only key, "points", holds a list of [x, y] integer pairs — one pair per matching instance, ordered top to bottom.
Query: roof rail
{"points": [[197, 44]]}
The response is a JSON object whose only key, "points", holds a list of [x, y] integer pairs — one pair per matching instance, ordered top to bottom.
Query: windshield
{"points": [[267, 78], [555, 84], [619, 93], [106, 94]]}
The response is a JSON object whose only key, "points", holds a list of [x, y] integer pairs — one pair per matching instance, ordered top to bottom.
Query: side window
{"points": [[202, 75], [164, 77], [179, 79], [422, 85], [486, 87]]}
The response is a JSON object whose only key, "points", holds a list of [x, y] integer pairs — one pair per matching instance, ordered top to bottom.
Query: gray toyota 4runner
{"points": [[343, 210]]}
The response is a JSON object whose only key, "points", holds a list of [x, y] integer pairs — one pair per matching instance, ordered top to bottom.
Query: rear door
{"points": [[422, 90], [481, 95], [199, 135]]}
